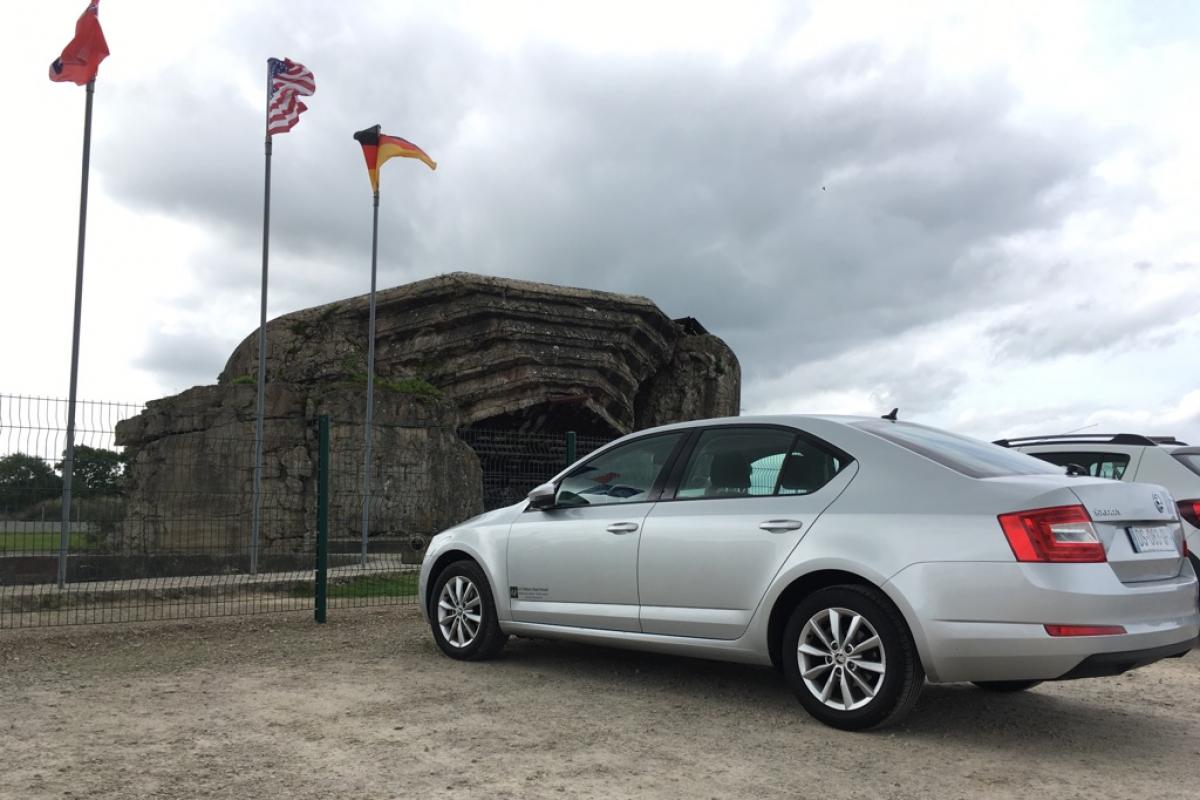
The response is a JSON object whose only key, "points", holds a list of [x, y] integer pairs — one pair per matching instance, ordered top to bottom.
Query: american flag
{"points": [[289, 81]]}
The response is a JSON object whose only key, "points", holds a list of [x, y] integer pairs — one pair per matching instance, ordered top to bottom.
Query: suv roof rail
{"points": [[1087, 438], [1168, 440]]}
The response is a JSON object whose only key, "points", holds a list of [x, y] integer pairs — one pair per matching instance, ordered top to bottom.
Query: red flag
{"points": [[81, 58]]}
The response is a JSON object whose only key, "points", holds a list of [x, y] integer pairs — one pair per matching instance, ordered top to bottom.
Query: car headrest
{"points": [[803, 473]]}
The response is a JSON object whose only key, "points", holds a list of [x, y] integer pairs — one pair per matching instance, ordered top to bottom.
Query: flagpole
{"points": [[260, 398], [68, 468], [366, 510]]}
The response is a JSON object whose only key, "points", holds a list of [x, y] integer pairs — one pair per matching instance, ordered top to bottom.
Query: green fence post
{"points": [[570, 448], [322, 567]]}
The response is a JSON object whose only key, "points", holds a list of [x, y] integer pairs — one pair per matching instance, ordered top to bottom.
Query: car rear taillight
{"points": [[1190, 510], [1060, 534], [1084, 630]]}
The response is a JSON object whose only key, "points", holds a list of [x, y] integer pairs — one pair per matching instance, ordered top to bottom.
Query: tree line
{"points": [[26, 480]]}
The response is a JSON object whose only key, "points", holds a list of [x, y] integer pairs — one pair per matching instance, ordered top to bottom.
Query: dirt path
{"points": [[365, 707]]}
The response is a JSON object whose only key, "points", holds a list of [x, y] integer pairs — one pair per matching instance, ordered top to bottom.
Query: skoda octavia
{"points": [[860, 556]]}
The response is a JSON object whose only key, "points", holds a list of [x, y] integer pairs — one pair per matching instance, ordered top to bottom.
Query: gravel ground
{"points": [[366, 707]]}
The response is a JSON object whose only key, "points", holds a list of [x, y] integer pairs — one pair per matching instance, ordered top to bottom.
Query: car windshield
{"points": [[971, 457], [1190, 460]]}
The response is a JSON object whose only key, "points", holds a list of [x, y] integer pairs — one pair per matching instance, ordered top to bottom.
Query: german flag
{"points": [[378, 148]]}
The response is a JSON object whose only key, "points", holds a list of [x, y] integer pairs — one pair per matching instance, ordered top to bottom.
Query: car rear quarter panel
{"points": [[904, 510]]}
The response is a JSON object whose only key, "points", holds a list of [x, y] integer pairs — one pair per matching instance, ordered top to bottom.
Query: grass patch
{"points": [[351, 367], [244, 380], [413, 386], [39, 542], [402, 585]]}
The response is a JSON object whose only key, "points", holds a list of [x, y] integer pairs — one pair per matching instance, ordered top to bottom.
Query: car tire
{"points": [[462, 613], [870, 679], [1006, 686]]}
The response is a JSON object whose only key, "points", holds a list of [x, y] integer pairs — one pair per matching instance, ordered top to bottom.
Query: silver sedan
{"points": [[859, 556]]}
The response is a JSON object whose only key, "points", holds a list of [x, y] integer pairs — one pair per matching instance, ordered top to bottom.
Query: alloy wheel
{"points": [[459, 611], [842, 659]]}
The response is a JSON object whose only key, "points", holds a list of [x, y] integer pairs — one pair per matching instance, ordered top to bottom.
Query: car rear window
{"points": [[971, 457], [1190, 460]]}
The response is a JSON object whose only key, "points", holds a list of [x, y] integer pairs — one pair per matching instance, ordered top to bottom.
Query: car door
{"points": [[745, 497], [576, 563]]}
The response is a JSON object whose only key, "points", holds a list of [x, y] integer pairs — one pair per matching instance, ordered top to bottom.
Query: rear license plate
{"points": [[1160, 539]]}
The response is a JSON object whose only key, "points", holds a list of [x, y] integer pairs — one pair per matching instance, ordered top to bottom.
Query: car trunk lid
{"points": [[1139, 526]]}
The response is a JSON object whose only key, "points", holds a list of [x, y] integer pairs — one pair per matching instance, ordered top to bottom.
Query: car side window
{"points": [[1189, 460], [750, 462], [1100, 465], [808, 468], [624, 474]]}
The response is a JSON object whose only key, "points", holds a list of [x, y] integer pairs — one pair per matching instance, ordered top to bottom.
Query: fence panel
{"points": [[165, 530], [170, 538]]}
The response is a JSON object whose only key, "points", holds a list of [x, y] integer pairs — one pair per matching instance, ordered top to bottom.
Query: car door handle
{"points": [[781, 525], [622, 527]]}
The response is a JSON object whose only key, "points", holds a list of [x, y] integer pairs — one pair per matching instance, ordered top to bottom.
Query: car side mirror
{"points": [[543, 496]]}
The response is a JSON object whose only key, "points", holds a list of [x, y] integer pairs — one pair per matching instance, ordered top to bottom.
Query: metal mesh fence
{"points": [[38, 425], [32, 440], [514, 462], [166, 530], [158, 534]]}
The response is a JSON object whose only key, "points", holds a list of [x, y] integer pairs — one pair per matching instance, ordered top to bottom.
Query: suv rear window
{"points": [[971, 457], [1190, 460], [1099, 465]]}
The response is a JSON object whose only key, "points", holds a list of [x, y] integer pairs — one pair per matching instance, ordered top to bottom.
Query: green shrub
{"points": [[411, 386], [414, 386]]}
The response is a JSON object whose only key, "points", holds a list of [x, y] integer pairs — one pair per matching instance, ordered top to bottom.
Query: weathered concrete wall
{"points": [[498, 347], [454, 351], [702, 380], [192, 467]]}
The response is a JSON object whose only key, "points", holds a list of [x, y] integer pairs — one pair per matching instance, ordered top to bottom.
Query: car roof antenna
{"points": [[891, 415]]}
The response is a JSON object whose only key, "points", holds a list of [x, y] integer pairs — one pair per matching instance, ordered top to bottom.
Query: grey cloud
{"points": [[798, 212], [1079, 322], [187, 359], [887, 373], [1072, 418], [1038, 421]]}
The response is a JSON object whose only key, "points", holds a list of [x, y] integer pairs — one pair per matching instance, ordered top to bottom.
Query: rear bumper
{"points": [[984, 621], [1104, 664]]}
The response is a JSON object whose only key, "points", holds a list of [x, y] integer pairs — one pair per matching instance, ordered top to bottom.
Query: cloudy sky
{"points": [[985, 214]]}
